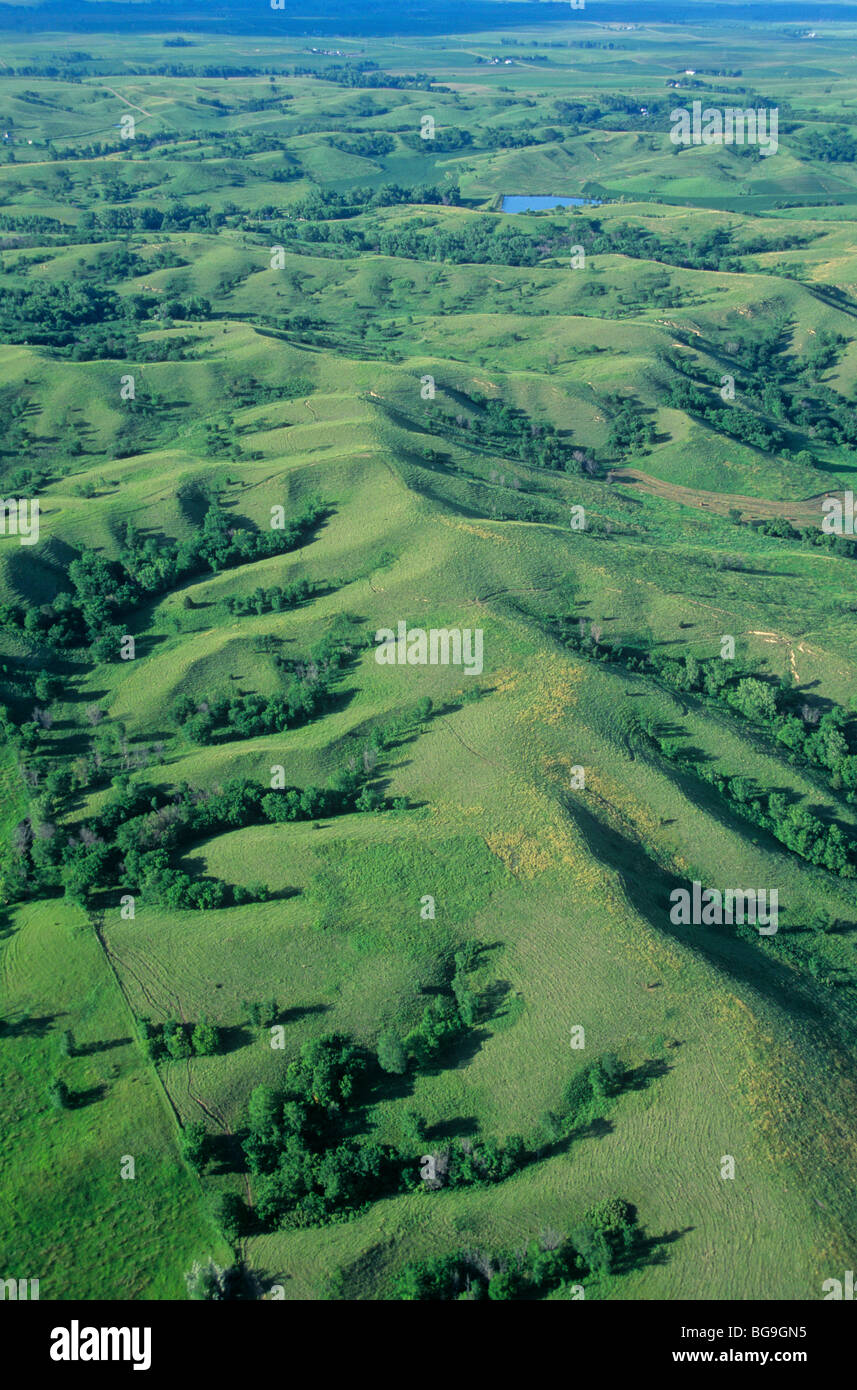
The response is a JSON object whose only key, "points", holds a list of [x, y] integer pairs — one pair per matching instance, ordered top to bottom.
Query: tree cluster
{"points": [[172, 1040], [606, 1240]]}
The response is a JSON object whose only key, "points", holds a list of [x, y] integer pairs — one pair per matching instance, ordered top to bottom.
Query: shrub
{"points": [[262, 1012], [205, 1038], [175, 1039], [391, 1054], [59, 1093], [195, 1144], [232, 1216]]}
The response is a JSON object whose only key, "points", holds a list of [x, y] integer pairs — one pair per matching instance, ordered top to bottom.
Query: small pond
{"points": [[521, 203]]}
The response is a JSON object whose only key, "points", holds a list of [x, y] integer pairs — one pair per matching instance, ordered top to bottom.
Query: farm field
{"points": [[331, 977]]}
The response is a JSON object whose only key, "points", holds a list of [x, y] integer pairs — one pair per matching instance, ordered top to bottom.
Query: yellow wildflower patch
{"points": [[555, 692], [521, 854]]}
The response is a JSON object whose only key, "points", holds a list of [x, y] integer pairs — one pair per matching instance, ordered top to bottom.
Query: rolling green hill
{"points": [[275, 295]]}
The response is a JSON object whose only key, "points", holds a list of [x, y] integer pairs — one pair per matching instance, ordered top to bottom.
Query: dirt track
{"points": [[803, 512]]}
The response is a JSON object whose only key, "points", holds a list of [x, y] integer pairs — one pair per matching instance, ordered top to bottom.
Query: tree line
{"points": [[102, 589], [311, 683], [826, 739], [128, 845], [311, 1166], [607, 1240]]}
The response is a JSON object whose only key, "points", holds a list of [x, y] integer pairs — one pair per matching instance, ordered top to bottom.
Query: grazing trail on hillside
{"points": [[474, 751], [114, 960]]}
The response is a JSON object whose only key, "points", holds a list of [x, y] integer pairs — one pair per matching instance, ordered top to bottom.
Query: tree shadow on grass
{"points": [[145, 642], [667, 728], [697, 756], [649, 886], [279, 895], [843, 927], [493, 998], [302, 1011], [27, 1027], [233, 1037], [91, 1049], [458, 1053], [641, 1077], [389, 1086], [80, 1099], [462, 1127], [598, 1128], [226, 1155], [649, 1250]]}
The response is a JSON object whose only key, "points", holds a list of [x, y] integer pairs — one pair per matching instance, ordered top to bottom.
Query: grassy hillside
{"points": [[275, 295]]}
